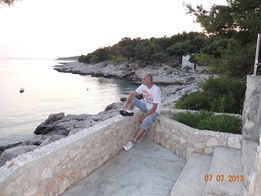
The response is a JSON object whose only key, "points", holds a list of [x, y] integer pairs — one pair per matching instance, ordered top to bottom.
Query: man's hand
{"points": [[145, 114], [142, 117]]}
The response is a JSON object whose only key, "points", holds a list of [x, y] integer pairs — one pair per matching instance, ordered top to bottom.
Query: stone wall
{"points": [[251, 116], [183, 140], [51, 169], [254, 180]]}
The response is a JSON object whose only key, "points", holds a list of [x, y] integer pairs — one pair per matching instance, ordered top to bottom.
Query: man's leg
{"points": [[129, 104], [144, 126], [138, 134]]}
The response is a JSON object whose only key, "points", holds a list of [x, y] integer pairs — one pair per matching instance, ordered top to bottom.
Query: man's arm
{"points": [[153, 109]]}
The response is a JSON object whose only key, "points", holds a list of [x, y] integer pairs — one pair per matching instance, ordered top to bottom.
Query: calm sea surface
{"points": [[48, 91]]}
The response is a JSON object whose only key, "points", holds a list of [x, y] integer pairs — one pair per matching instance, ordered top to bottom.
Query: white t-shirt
{"points": [[150, 96]]}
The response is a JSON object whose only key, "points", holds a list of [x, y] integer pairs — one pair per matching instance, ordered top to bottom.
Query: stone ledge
{"points": [[167, 111], [184, 140], [51, 169]]}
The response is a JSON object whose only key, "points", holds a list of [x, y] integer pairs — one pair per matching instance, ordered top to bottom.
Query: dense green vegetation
{"points": [[234, 29], [154, 50], [217, 95], [208, 121]]}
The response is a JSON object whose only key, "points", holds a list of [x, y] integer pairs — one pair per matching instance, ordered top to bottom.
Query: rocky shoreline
{"points": [[162, 74], [173, 82]]}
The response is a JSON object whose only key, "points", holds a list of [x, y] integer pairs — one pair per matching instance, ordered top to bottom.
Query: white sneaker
{"points": [[129, 145]]}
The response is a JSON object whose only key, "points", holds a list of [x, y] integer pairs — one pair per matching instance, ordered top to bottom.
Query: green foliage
{"points": [[6, 2], [247, 14], [236, 16], [218, 20], [232, 31], [178, 48], [144, 50], [154, 50], [159, 57], [227, 57], [117, 59], [217, 95], [193, 101], [208, 121]]}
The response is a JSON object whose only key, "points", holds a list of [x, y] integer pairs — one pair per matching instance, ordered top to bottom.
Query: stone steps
{"points": [[225, 162], [191, 180]]}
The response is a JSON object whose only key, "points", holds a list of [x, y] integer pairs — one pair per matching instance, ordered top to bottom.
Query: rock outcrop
{"points": [[132, 71], [14, 152]]}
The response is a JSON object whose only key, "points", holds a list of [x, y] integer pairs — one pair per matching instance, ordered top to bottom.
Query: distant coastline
{"points": [[70, 58]]}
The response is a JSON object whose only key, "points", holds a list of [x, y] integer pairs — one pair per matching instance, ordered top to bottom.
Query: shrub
{"points": [[117, 59], [217, 95], [193, 101], [208, 121]]}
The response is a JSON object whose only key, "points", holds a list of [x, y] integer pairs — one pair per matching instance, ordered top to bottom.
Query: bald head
{"points": [[149, 76], [147, 80]]}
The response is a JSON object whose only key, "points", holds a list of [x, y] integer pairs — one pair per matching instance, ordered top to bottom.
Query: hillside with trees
{"points": [[226, 46], [153, 50]]}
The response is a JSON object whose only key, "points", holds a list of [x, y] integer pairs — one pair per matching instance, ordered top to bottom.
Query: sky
{"points": [[60, 28]]}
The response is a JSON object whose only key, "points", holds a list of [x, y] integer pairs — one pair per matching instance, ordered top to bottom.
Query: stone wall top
{"points": [[183, 140], [51, 169]]}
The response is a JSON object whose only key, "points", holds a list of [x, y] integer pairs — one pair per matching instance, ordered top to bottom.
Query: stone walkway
{"points": [[146, 170]]}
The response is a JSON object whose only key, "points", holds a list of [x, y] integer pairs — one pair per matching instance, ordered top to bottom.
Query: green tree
{"points": [[6, 2], [236, 16], [232, 31], [126, 47], [179, 48], [144, 50], [159, 57]]}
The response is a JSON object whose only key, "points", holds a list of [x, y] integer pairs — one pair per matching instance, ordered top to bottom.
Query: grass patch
{"points": [[208, 121]]}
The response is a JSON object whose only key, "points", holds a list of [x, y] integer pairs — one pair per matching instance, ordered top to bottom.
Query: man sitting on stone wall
{"points": [[150, 105]]}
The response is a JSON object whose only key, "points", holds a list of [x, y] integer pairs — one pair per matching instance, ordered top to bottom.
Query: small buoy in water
{"points": [[87, 89], [21, 90]]}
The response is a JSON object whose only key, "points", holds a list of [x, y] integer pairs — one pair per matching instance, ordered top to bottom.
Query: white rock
{"points": [[182, 140], [212, 142], [234, 142], [199, 145], [208, 150], [47, 173]]}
